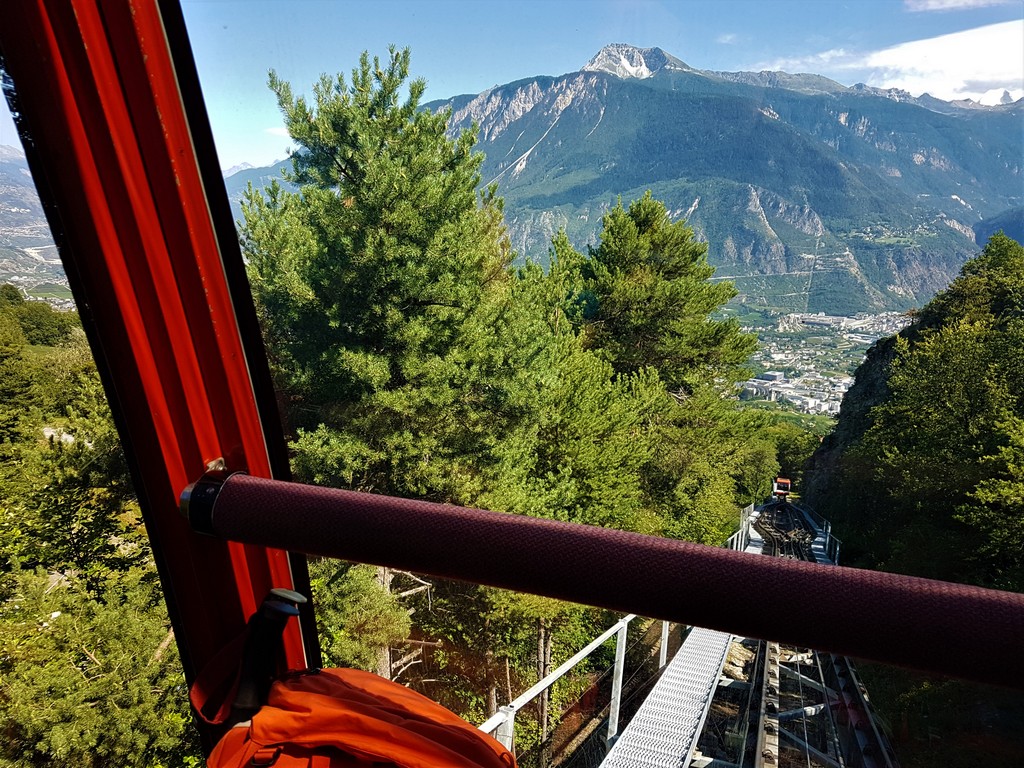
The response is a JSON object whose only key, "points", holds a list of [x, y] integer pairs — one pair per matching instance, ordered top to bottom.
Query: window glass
{"points": [[614, 264], [542, 357], [87, 654]]}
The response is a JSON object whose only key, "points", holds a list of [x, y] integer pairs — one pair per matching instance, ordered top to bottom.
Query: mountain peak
{"points": [[623, 60], [11, 153], [236, 169]]}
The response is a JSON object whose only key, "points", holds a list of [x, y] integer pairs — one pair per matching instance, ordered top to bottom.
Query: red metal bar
{"points": [[114, 152], [936, 626]]}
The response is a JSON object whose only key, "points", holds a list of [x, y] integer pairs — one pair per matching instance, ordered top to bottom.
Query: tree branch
{"points": [[414, 590], [162, 648]]}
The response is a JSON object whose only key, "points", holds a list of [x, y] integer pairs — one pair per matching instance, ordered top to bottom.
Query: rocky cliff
{"points": [[812, 195]]}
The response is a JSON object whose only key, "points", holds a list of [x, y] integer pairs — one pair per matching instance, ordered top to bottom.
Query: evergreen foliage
{"points": [[649, 279], [372, 282], [383, 288], [10, 296], [40, 323], [17, 388], [940, 455], [355, 617], [89, 672], [90, 679]]}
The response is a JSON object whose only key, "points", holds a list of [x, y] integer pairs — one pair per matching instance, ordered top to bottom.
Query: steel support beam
{"points": [[808, 681], [817, 754]]}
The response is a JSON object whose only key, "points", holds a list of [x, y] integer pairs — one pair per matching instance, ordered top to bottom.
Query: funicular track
{"points": [[785, 531], [780, 705]]}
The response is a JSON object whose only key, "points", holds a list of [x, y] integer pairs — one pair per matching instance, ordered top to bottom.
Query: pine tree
{"points": [[370, 281], [383, 287], [652, 300], [645, 304]]}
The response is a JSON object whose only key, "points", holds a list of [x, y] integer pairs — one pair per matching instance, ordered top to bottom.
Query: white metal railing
{"points": [[741, 538], [502, 723]]}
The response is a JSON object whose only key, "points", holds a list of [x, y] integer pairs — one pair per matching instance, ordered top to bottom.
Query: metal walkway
{"points": [[664, 731]]}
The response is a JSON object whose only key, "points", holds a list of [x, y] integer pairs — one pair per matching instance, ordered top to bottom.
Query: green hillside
{"points": [[812, 196]]}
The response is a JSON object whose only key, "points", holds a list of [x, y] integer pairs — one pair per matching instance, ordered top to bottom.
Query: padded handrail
{"points": [[953, 629]]}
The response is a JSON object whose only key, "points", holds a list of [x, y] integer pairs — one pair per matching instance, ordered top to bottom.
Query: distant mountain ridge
{"points": [[624, 60], [236, 169], [812, 195], [27, 253]]}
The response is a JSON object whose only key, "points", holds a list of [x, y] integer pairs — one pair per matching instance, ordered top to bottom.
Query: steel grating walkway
{"points": [[821, 546], [664, 731]]}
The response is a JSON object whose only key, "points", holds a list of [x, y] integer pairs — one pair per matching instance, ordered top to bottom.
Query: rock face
{"points": [[624, 60], [495, 110], [812, 196], [1009, 222], [869, 389]]}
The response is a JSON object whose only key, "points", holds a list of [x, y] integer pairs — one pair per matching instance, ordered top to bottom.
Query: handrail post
{"points": [[663, 651], [620, 663], [505, 732]]}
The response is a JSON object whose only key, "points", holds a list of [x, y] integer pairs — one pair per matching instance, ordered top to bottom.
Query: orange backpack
{"points": [[344, 717], [326, 718]]}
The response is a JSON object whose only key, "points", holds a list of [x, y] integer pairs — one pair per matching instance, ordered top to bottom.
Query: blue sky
{"points": [[949, 48]]}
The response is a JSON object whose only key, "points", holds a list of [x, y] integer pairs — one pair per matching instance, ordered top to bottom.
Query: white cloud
{"points": [[949, 5], [727, 39], [815, 63], [976, 63], [960, 65], [278, 130]]}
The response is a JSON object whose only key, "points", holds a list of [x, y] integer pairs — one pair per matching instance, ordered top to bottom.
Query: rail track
{"points": [[786, 532], [781, 706]]}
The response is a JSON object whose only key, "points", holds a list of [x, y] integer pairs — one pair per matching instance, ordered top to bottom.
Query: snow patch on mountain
{"points": [[628, 61], [236, 169]]}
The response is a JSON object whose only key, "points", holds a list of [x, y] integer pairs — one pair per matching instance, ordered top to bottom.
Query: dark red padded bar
{"points": [[935, 626]]}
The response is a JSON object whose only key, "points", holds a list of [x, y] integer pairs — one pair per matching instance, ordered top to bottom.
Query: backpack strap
{"points": [[235, 683], [215, 688], [266, 756]]}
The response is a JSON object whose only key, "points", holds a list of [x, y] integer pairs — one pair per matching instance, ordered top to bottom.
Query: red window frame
{"points": [[112, 118]]}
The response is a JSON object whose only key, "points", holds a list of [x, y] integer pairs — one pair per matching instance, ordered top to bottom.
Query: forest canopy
{"points": [[416, 359], [926, 472], [89, 672]]}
